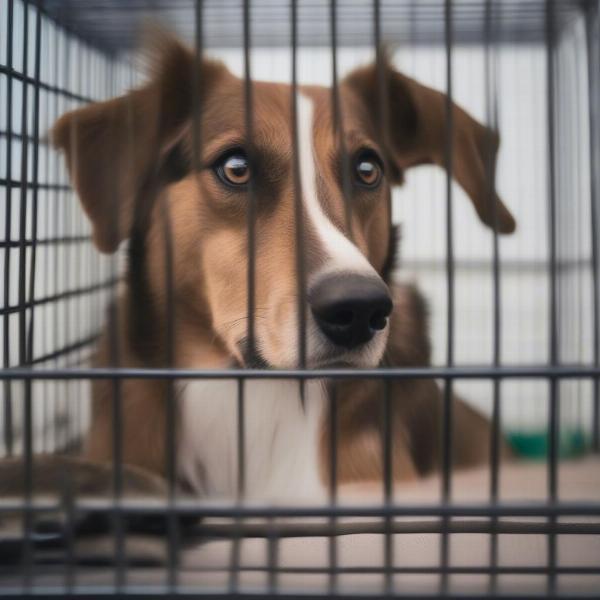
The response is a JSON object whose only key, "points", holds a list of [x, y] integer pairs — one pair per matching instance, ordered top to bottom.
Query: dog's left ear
{"points": [[417, 117]]}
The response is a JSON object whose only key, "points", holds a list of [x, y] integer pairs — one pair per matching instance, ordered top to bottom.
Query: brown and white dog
{"points": [[132, 163]]}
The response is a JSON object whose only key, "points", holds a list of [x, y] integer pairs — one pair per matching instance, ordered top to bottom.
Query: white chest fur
{"points": [[281, 438]]}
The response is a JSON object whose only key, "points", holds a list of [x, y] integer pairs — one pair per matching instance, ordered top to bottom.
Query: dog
{"points": [[170, 168]]}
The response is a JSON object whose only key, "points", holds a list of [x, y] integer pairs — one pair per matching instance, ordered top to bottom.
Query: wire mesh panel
{"points": [[50, 271], [249, 348]]}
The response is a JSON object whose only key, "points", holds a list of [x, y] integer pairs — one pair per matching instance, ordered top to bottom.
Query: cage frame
{"points": [[489, 514]]}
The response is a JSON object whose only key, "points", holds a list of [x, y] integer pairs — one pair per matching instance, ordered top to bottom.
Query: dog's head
{"points": [[134, 165]]}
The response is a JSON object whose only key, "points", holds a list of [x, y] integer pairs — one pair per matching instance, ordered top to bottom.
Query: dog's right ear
{"points": [[418, 130], [112, 147]]}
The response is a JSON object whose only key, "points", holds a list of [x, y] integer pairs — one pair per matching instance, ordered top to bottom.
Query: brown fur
{"points": [[132, 162], [417, 410], [59, 474]]}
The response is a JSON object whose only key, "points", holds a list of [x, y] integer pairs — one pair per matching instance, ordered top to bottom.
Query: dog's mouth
{"points": [[251, 358], [337, 363]]}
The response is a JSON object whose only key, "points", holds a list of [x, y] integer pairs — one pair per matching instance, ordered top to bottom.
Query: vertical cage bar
{"points": [[593, 70], [196, 89], [491, 107], [338, 121], [383, 121], [338, 132], [448, 162], [35, 181], [155, 189], [23, 194], [56, 200], [251, 205], [298, 208], [32, 264], [45, 266], [96, 272], [251, 282], [79, 302], [250, 307], [114, 318], [66, 332], [553, 346], [7, 384], [27, 413], [447, 413], [553, 428], [386, 429], [241, 442], [171, 458], [333, 484], [240, 491], [68, 493], [68, 502], [273, 546], [388, 556], [272, 558]]}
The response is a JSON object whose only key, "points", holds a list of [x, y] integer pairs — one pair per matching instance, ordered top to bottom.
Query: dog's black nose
{"points": [[350, 309]]}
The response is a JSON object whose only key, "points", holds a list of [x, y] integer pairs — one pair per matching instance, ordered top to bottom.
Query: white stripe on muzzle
{"points": [[342, 254]]}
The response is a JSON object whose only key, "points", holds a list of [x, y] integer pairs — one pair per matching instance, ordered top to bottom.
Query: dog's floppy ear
{"points": [[417, 135], [111, 147]]}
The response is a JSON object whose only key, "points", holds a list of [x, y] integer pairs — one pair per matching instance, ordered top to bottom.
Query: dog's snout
{"points": [[350, 309]]}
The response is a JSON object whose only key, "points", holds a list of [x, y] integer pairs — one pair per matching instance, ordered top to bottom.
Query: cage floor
{"points": [[303, 561]]}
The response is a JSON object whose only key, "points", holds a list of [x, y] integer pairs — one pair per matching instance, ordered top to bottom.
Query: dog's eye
{"points": [[233, 169], [368, 169]]}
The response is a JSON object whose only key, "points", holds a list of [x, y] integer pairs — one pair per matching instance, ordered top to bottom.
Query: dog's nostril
{"points": [[378, 320]]}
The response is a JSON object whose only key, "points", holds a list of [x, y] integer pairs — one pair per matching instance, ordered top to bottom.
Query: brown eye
{"points": [[234, 169], [368, 170]]}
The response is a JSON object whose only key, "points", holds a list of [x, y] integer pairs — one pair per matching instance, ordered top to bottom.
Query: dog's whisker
{"points": [[229, 325]]}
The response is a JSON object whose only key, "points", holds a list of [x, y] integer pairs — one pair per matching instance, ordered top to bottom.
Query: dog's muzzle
{"points": [[350, 308]]}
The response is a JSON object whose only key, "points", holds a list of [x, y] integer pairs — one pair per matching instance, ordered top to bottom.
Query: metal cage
{"points": [[515, 324]]}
